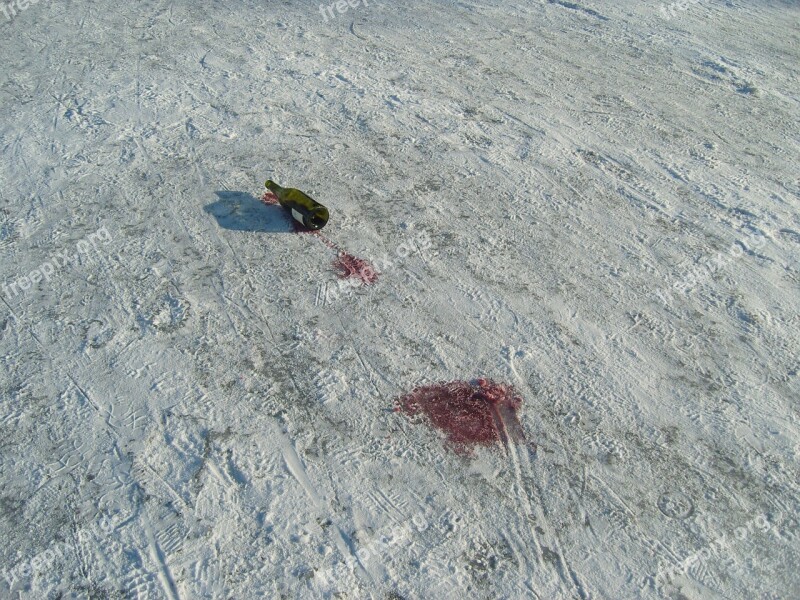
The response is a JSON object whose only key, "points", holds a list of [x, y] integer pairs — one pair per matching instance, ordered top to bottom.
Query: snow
{"points": [[609, 192]]}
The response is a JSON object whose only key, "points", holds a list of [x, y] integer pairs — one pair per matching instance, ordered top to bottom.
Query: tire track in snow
{"points": [[511, 433], [520, 462], [523, 470], [647, 543], [157, 556]]}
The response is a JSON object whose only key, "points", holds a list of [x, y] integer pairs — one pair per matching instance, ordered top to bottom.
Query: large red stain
{"points": [[345, 264], [476, 413]]}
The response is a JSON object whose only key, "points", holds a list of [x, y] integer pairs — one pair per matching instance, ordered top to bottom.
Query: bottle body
{"points": [[303, 208]]}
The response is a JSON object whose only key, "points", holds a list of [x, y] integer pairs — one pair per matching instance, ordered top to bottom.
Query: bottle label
{"points": [[296, 214]]}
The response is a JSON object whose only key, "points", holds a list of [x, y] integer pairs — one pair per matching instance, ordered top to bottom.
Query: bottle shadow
{"points": [[240, 211]]}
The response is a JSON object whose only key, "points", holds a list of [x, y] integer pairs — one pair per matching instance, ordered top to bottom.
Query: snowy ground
{"points": [[191, 408]]}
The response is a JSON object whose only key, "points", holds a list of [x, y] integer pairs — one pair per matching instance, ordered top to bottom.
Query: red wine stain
{"points": [[269, 198], [345, 264], [348, 266], [481, 412]]}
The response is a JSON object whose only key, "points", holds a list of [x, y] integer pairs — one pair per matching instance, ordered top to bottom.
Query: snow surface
{"points": [[193, 408]]}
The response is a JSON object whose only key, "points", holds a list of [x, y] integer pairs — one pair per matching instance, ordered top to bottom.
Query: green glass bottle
{"points": [[303, 207]]}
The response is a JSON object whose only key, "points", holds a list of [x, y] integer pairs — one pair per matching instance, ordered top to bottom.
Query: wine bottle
{"points": [[304, 208]]}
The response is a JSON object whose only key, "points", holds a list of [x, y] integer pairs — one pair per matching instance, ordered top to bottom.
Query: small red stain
{"points": [[269, 198], [345, 264], [348, 266], [481, 412]]}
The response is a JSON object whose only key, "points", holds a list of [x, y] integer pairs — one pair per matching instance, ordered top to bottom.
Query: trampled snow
{"points": [[593, 203]]}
